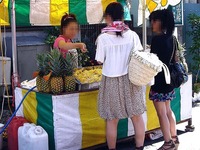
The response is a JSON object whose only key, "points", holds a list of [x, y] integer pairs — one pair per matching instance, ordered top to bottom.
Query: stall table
{"points": [[72, 121]]}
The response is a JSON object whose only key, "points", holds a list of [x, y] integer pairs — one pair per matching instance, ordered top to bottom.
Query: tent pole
{"points": [[144, 29], [14, 47]]}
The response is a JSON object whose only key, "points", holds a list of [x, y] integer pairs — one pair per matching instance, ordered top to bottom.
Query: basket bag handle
{"points": [[167, 74]]}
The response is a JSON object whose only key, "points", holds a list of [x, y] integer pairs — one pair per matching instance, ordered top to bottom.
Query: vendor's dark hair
{"points": [[116, 11], [66, 20], [167, 20]]}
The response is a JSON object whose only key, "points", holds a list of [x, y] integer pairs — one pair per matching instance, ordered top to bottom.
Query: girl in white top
{"points": [[114, 52], [118, 97]]}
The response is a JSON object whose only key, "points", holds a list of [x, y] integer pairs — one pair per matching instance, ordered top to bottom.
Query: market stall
{"points": [[72, 121]]}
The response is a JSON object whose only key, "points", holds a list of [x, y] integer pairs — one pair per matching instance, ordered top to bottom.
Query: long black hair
{"points": [[116, 11], [166, 18], [66, 20]]}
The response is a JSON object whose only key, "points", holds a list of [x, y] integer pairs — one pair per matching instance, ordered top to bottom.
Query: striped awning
{"points": [[49, 12]]}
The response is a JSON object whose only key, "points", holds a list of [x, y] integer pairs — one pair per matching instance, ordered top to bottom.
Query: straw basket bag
{"points": [[143, 67]]}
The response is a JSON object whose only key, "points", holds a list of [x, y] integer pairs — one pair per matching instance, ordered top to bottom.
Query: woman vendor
{"points": [[69, 30]]}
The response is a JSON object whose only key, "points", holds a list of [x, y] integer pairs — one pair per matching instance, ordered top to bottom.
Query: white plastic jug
{"points": [[32, 137]]}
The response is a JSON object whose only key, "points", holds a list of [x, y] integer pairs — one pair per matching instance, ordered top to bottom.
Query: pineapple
{"points": [[56, 67], [43, 70], [69, 80], [39, 83], [70, 83], [46, 85], [57, 85]]}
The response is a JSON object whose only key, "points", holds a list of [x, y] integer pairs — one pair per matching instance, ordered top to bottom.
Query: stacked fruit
{"points": [[55, 73], [88, 75]]}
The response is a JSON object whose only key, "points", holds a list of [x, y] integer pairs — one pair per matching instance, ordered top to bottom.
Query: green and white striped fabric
{"points": [[49, 12], [72, 120]]}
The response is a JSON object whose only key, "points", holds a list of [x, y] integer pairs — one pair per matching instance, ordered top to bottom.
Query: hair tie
{"points": [[68, 17]]}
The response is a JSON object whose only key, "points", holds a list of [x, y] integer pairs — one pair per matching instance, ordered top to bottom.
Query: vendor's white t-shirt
{"points": [[114, 52]]}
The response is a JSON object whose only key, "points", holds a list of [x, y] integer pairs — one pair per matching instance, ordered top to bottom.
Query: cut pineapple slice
{"points": [[88, 75]]}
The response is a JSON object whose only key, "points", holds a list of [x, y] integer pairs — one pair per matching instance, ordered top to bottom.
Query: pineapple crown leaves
{"points": [[55, 63], [69, 63], [43, 64]]}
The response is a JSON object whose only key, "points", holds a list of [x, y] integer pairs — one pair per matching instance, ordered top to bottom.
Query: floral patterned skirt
{"points": [[161, 97], [119, 98]]}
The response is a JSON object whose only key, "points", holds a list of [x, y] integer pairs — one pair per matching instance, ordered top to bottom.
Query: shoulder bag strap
{"points": [[174, 49]]}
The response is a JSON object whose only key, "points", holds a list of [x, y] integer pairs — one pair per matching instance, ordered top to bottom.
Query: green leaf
{"points": [[194, 22]]}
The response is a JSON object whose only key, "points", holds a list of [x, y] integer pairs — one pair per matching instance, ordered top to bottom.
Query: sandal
{"points": [[176, 141], [168, 146], [139, 148]]}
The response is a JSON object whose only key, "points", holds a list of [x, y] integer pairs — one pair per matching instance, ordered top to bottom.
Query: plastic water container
{"points": [[13, 132], [1, 136], [32, 137]]}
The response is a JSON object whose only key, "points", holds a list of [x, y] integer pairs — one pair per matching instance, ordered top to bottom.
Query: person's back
{"points": [[162, 46], [114, 52], [118, 97]]}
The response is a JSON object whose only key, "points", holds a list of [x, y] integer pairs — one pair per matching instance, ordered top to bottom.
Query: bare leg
{"points": [[163, 119], [172, 119], [139, 127], [111, 133]]}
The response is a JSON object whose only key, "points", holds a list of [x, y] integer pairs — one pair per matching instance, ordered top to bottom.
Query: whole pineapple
{"points": [[56, 67], [43, 70], [69, 80], [39, 83]]}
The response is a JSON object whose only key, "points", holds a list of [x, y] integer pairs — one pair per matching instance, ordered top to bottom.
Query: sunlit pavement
{"points": [[188, 140]]}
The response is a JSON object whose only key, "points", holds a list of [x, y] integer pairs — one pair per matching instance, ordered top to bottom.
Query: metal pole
{"points": [[144, 34], [14, 47]]}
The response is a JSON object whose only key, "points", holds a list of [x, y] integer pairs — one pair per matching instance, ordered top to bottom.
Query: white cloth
{"points": [[114, 52], [75, 57]]}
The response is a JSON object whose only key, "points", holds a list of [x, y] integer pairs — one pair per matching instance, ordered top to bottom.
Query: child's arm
{"points": [[67, 46]]}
